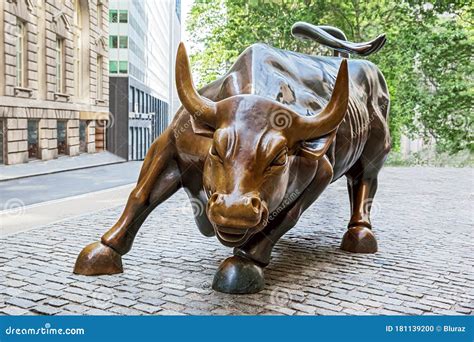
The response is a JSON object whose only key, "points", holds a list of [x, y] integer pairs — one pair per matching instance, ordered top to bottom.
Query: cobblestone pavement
{"points": [[422, 218]]}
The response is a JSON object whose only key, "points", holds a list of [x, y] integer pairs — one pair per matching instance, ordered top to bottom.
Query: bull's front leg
{"points": [[159, 179], [243, 272]]}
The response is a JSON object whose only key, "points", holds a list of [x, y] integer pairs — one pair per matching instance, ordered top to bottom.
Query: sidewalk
{"points": [[66, 163], [20, 218]]}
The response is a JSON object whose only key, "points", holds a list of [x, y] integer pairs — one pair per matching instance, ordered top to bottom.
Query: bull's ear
{"points": [[201, 128], [315, 149]]}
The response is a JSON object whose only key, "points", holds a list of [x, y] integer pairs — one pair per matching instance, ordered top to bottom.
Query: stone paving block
{"points": [[35, 297], [74, 297], [175, 299], [151, 301], [20, 302], [57, 302], [123, 302], [370, 303], [435, 304], [352, 306], [419, 306], [80, 309], [149, 309], [403, 309], [45, 310], [120, 310], [13, 311], [97, 312], [170, 313]]}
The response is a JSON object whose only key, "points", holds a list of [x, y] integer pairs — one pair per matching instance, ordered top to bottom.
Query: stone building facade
{"points": [[53, 78]]}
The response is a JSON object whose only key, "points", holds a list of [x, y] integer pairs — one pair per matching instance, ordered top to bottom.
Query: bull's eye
{"points": [[214, 154], [281, 159]]}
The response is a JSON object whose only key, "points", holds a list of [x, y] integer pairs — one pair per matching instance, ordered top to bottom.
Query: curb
{"points": [[59, 171]]}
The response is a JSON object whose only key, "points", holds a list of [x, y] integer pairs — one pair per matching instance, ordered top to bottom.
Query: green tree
{"points": [[427, 60]]}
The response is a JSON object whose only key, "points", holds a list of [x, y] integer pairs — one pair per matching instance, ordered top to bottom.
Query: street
{"points": [[44, 188], [422, 219]]}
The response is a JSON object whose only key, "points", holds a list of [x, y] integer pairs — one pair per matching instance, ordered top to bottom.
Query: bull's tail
{"points": [[336, 39]]}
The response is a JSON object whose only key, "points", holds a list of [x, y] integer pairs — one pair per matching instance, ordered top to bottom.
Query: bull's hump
{"points": [[299, 81]]}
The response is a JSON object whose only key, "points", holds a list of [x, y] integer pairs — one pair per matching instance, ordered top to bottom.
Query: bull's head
{"points": [[254, 142]]}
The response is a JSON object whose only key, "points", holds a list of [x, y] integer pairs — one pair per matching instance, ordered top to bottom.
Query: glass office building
{"points": [[143, 39]]}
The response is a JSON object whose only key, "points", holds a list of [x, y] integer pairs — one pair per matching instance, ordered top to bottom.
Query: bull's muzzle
{"points": [[236, 218]]}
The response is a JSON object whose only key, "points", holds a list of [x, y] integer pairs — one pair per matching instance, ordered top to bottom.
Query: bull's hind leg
{"points": [[158, 180], [362, 185], [359, 237]]}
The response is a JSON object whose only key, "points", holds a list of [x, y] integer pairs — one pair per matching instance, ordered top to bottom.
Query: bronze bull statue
{"points": [[257, 147]]}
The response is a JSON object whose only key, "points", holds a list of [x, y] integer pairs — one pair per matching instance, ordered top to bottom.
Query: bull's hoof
{"points": [[359, 240], [97, 259], [238, 275]]}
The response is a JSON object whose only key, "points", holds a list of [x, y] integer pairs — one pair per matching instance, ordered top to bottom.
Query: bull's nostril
{"points": [[213, 198], [256, 204]]}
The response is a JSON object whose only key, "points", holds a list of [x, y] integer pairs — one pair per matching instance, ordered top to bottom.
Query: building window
{"points": [[99, 15], [113, 16], [123, 16], [113, 42], [123, 42], [77, 49], [20, 54], [59, 65], [113, 67], [123, 67], [99, 78], [131, 96], [136, 109], [62, 136], [83, 136], [33, 139], [131, 139], [140, 143]]}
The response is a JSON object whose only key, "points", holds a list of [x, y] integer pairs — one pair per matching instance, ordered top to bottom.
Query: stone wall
{"points": [[90, 136], [73, 137], [16, 140]]}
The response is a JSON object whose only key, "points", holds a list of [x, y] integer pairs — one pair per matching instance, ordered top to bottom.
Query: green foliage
{"points": [[427, 61], [428, 157]]}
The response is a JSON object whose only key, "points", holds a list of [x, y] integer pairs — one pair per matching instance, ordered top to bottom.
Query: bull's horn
{"points": [[199, 107], [312, 127]]}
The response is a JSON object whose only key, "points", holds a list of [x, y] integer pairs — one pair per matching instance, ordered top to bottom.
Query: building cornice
{"points": [[10, 101]]}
